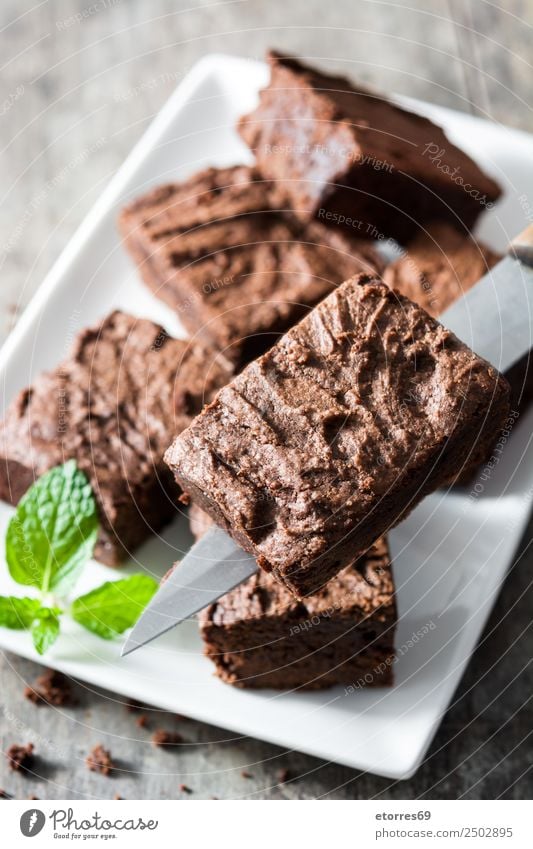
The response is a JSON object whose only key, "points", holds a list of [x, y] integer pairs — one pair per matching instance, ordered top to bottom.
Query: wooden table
{"points": [[80, 83]]}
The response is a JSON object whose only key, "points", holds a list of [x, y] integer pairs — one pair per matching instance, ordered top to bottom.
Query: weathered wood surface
{"points": [[88, 78]]}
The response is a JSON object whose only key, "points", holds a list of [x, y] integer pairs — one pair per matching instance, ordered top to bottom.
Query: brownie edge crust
{"points": [[319, 447], [259, 635]]}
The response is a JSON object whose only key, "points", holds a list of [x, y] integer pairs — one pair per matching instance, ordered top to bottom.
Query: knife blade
{"points": [[494, 319], [213, 567]]}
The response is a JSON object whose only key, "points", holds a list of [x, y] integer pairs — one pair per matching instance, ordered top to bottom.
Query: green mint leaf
{"points": [[53, 532], [114, 606], [18, 613], [45, 629]]}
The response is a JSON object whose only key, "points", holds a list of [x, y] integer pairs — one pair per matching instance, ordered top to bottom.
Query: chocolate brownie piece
{"points": [[341, 152], [439, 266], [237, 271], [113, 405], [329, 439], [259, 635]]}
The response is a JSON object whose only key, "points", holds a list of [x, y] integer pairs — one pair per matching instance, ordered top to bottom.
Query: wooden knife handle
{"points": [[522, 246]]}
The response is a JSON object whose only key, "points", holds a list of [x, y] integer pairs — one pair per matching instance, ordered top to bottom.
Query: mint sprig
{"points": [[52, 534], [48, 542], [114, 606], [18, 613], [45, 629]]}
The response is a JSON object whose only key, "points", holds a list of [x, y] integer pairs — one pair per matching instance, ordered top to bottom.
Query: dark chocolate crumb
{"points": [[50, 688], [33, 696], [142, 720], [166, 738], [21, 757], [99, 760], [246, 774], [283, 776], [185, 789], [116, 796], [33, 798]]}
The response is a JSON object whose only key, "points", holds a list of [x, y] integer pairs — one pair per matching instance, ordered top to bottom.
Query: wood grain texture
{"points": [[80, 83]]}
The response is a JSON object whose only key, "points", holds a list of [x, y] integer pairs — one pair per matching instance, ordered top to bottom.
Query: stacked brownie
{"points": [[237, 270], [113, 405], [260, 635]]}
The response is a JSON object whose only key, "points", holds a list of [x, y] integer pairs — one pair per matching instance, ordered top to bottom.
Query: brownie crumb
{"points": [[50, 688], [33, 696], [142, 720], [166, 738], [21, 757], [99, 760], [246, 774], [283, 776], [185, 789], [116, 796], [33, 798]]}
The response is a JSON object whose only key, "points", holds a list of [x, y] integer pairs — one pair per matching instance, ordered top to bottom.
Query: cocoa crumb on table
{"points": [[50, 688], [33, 696], [142, 720], [161, 737], [21, 757], [99, 760], [246, 774], [283, 776], [185, 789]]}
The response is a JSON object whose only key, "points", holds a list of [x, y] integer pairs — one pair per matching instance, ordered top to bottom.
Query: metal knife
{"points": [[494, 318], [213, 567]]}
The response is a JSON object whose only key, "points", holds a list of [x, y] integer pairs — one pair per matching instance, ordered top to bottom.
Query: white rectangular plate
{"points": [[450, 556]]}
